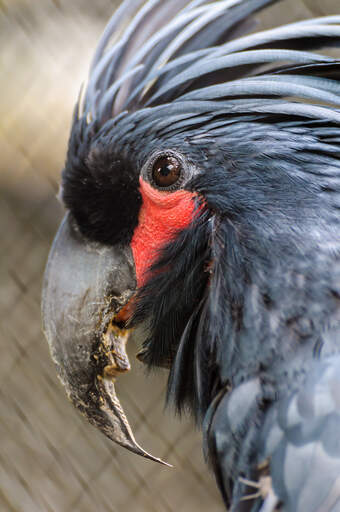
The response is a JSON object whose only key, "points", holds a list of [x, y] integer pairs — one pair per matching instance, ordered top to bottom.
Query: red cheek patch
{"points": [[161, 216]]}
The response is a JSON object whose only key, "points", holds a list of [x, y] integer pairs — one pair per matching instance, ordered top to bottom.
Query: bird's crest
{"points": [[193, 54]]}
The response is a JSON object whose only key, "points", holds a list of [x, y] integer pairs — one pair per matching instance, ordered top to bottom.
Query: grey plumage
{"points": [[303, 431]]}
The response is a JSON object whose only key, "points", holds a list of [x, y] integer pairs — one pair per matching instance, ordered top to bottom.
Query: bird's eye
{"points": [[166, 171]]}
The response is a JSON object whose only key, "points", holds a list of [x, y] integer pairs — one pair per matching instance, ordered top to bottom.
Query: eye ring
{"points": [[167, 171]]}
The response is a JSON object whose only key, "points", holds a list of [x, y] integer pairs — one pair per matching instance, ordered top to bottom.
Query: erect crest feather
{"points": [[160, 51]]}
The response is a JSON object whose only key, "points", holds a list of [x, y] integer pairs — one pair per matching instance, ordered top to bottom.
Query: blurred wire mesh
{"points": [[51, 460]]}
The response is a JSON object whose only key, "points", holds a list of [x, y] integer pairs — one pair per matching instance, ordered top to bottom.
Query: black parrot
{"points": [[202, 184]]}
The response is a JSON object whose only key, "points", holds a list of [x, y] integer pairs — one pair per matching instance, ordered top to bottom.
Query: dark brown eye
{"points": [[166, 171]]}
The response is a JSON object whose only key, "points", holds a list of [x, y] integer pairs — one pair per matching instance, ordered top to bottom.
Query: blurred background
{"points": [[51, 460]]}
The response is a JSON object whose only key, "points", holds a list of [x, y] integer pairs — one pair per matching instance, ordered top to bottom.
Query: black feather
{"points": [[100, 188]]}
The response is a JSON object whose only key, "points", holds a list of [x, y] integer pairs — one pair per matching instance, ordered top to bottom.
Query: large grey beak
{"points": [[85, 287]]}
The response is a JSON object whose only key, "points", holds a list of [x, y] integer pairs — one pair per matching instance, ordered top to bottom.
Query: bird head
{"points": [[185, 162]]}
